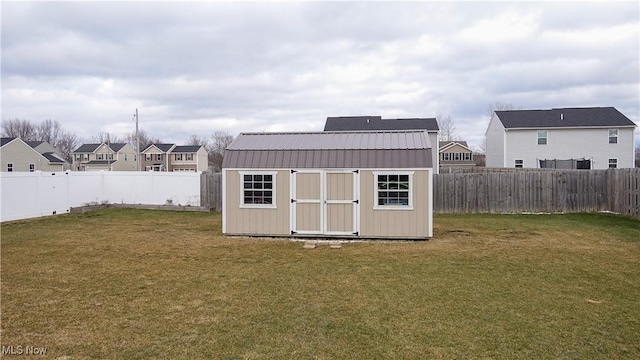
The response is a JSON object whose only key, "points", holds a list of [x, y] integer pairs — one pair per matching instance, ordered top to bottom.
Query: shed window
{"points": [[613, 136], [542, 137], [519, 163], [613, 163], [9, 167], [32, 167], [258, 189], [393, 190]]}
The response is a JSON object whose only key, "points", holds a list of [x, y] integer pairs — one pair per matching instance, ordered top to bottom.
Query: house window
{"points": [[613, 136], [542, 137], [99, 156], [109, 156], [446, 156], [467, 156], [77, 157], [86, 157], [125, 157], [147, 157], [158, 157], [178, 157], [189, 157], [519, 163], [613, 163], [9, 167], [32, 167], [258, 188], [393, 190]]}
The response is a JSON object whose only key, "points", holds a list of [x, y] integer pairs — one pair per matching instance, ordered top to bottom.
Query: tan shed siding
{"points": [[340, 186], [311, 188], [308, 217], [340, 218], [256, 221], [395, 223]]}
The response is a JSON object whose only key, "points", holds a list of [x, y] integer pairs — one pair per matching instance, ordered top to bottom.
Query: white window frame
{"points": [[613, 136], [545, 137], [99, 156], [467, 156], [86, 157], [109, 157], [148, 157], [158, 157], [178, 157], [188, 157], [518, 163], [613, 163], [9, 167], [32, 167], [273, 190], [409, 206]]}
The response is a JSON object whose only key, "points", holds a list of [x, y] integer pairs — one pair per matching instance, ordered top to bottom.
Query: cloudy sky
{"points": [[196, 68]]}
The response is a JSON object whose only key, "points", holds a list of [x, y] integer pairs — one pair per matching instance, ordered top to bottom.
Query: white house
{"points": [[567, 138]]}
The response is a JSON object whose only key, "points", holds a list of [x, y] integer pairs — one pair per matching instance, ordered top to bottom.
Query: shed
{"points": [[361, 184]]}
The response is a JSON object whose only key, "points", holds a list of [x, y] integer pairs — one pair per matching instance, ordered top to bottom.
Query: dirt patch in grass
{"points": [[153, 284]]}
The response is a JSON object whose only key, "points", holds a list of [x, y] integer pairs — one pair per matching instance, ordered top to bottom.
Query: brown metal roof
{"points": [[390, 149]]}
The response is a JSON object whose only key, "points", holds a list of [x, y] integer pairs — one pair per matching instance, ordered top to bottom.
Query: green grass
{"points": [[152, 284]]}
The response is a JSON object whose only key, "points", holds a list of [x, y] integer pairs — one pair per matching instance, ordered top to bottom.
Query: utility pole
{"points": [[135, 117]]}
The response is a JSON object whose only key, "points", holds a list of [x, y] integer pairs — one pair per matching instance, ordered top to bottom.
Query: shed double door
{"points": [[325, 202]]}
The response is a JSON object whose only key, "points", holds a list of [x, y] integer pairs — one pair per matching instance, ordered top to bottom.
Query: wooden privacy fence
{"points": [[211, 190], [616, 190], [487, 191]]}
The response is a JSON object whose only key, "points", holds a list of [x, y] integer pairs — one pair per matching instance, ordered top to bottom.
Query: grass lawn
{"points": [[153, 284]]}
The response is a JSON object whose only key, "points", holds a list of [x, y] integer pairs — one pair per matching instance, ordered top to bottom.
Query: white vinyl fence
{"points": [[33, 194]]}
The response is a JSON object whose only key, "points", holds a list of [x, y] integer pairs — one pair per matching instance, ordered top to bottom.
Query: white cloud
{"points": [[195, 68]]}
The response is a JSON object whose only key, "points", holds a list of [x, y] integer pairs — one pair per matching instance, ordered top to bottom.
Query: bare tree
{"points": [[500, 106], [447, 128], [23, 129], [49, 130], [106, 137], [145, 139], [219, 142], [67, 143], [638, 155]]}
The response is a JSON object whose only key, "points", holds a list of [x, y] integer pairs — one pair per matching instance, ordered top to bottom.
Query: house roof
{"points": [[563, 117], [369, 123], [6, 140], [446, 143], [34, 144], [117, 146], [161, 147], [89, 148], [186, 149], [379, 149], [53, 158], [99, 162]]}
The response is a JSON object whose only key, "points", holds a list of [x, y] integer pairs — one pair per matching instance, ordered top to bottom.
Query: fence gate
{"points": [[324, 202]]}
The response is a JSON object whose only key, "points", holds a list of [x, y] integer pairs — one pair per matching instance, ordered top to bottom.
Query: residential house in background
{"points": [[377, 123], [566, 138], [50, 152], [455, 154], [17, 155], [107, 157], [155, 157], [172, 157], [189, 158]]}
